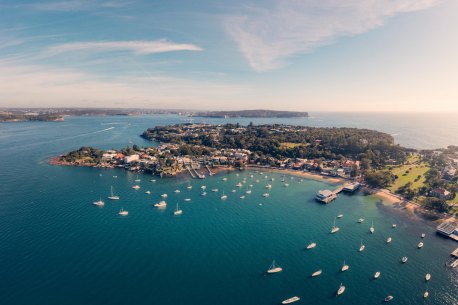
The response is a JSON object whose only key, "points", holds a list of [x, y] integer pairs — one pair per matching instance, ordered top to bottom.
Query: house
{"points": [[131, 158], [441, 193]]}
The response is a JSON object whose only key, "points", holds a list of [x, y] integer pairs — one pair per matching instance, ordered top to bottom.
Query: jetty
{"points": [[209, 171], [190, 172], [200, 176], [326, 196], [448, 229]]}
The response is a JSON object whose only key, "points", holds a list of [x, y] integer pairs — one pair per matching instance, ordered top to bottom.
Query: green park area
{"points": [[412, 171]]}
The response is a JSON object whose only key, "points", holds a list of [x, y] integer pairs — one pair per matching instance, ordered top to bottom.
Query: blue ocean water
{"points": [[57, 248]]}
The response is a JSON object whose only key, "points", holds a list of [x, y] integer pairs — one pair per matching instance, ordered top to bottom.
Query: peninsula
{"points": [[426, 177]]}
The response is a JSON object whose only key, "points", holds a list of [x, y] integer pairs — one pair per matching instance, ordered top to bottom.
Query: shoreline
{"points": [[410, 209]]}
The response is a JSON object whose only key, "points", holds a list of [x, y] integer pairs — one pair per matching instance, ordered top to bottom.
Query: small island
{"points": [[425, 178]]}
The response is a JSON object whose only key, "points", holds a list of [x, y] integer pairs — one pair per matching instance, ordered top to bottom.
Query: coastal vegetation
{"points": [[11, 117]]}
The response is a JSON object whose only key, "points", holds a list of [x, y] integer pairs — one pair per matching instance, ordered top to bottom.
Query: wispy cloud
{"points": [[77, 5], [266, 37], [136, 46], [55, 87]]}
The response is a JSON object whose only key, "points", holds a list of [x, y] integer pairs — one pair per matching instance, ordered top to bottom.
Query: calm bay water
{"points": [[57, 248]]}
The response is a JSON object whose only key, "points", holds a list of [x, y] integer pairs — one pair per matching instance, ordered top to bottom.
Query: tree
{"points": [[379, 179], [437, 204]]}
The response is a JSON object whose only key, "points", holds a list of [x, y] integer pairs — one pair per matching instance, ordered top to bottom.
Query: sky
{"points": [[304, 55]]}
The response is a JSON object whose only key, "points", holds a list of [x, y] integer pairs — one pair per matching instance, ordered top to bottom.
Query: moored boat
{"points": [[112, 195], [161, 204], [123, 212], [388, 240], [311, 245], [404, 259], [345, 267], [273, 268], [317, 273], [377, 275], [428, 277], [341, 289], [389, 298], [291, 300]]}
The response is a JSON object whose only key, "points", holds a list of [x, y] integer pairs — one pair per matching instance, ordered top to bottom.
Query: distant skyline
{"points": [[310, 55]]}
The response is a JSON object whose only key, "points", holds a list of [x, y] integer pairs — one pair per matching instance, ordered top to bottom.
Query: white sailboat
{"points": [[136, 187], [177, 191], [148, 192], [203, 194], [112, 195], [164, 195], [265, 195], [223, 197], [242, 197], [99, 203], [161, 204], [177, 211], [123, 212], [334, 228], [372, 229], [388, 240], [311, 245], [420, 245], [362, 247], [404, 259], [345, 267], [273, 268], [316, 273], [377, 275], [428, 277], [341, 289], [426, 294], [291, 300]]}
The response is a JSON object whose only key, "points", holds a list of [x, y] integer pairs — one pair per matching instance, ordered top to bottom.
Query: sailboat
{"points": [[189, 186], [136, 187], [177, 191], [248, 191], [112, 195], [164, 195], [265, 195], [223, 197], [99, 203], [161, 204], [177, 211], [123, 212], [334, 228], [372, 229], [423, 235], [388, 240], [420, 245], [311, 246], [362, 247], [404, 259], [345, 267], [273, 268], [316, 273], [377, 275], [428, 277], [341, 289], [426, 294], [389, 298], [291, 300]]}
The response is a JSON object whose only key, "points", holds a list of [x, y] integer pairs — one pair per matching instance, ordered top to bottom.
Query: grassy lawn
{"points": [[409, 172]]}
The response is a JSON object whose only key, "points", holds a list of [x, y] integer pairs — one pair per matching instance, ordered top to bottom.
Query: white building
{"points": [[131, 158]]}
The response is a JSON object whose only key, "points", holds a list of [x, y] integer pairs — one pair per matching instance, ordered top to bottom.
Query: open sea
{"points": [[56, 248]]}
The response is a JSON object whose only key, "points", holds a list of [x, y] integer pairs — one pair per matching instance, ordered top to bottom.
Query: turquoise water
{"points": [[57, 248]]}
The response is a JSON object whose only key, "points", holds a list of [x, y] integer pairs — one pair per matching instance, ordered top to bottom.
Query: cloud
{"points": [[77, 5], [267, 37], [136, 46], [41, 86]]}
